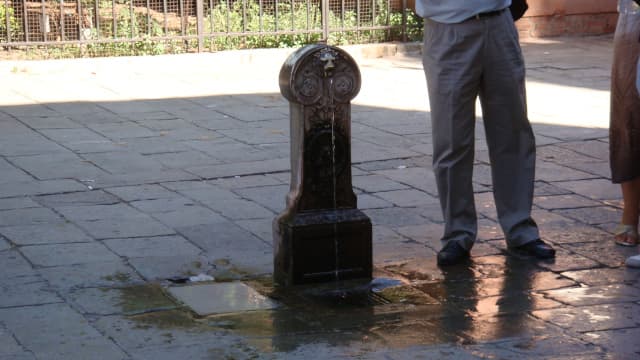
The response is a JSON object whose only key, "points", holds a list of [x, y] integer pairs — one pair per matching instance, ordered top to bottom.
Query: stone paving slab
{"points": [[137, 173], [33, 187], [49, 233], [67, 254], [105, 274], [26, 290], [237, 296], [62, 332], [619, 342]]}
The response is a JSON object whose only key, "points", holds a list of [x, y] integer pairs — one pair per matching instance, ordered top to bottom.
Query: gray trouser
{"points": [[480, 58]]}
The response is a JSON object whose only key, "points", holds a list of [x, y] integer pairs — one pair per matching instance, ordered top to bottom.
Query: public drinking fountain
{"points": [[321, 236]]}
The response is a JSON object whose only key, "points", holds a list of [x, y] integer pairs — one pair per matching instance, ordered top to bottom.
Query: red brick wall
{"points": [[568, 17], [546, 18]]}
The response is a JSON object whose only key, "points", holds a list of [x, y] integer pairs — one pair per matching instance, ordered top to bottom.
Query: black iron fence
{"points": [[65, 28]]}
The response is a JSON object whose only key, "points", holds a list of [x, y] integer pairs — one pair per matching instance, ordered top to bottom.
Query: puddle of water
{"points": [[118, 277], [348, 293], [338, 294], [407, 295], [144, 298], [384, 312], [168, 319]]}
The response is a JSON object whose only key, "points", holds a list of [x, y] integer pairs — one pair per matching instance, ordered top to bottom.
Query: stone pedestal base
{"points": [[320, 246]]}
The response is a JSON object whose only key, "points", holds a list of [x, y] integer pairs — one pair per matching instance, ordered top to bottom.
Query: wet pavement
{"points": [[125, 181]]}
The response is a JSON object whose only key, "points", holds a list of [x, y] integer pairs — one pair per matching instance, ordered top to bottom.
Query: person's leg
{"points": [[450, 58], [509, 135], [624, 139], [631, 199], [631, 212], [627, 232]]}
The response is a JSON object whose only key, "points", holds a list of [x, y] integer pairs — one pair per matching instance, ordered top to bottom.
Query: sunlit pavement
{"points": [[137, 195]]}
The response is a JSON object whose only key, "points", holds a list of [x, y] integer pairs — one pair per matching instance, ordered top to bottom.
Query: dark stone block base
{"points": [[320, 246]]}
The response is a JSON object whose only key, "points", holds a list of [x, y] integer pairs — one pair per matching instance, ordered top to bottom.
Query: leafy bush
{"points": [[227, 18], [128, 25], [233, 25], [120, 27], [13, 29]]}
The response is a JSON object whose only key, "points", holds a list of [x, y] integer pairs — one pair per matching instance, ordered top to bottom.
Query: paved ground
{"points": [[123, 177]]}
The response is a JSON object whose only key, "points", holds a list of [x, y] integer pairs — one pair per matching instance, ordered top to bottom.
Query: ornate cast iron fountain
{"points": [[321, 235]]}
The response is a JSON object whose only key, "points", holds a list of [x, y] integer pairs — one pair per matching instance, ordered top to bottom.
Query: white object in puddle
{"points": [[201, 277]]}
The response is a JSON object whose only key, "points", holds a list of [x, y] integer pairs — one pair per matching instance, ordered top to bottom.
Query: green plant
{"points": [[7, 17], [238, 18], [229, 21], [414, 25], [120, 27], [136, 32]]}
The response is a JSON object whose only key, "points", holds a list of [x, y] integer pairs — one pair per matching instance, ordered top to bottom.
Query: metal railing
{"points": [[65, 28]]}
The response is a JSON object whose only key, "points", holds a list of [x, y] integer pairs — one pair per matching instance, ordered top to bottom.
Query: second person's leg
{"points": [[451, 63], [509, 135]]}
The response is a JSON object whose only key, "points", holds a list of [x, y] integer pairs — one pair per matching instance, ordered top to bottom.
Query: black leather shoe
{"points": [[537, 248], [451, 254]]}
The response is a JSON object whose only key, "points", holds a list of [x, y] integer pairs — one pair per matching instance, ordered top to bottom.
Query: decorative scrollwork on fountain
{"points": [[324, 76]]}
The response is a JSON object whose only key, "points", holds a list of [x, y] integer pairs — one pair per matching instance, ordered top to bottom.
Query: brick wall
{"points": [[547, 18]]}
